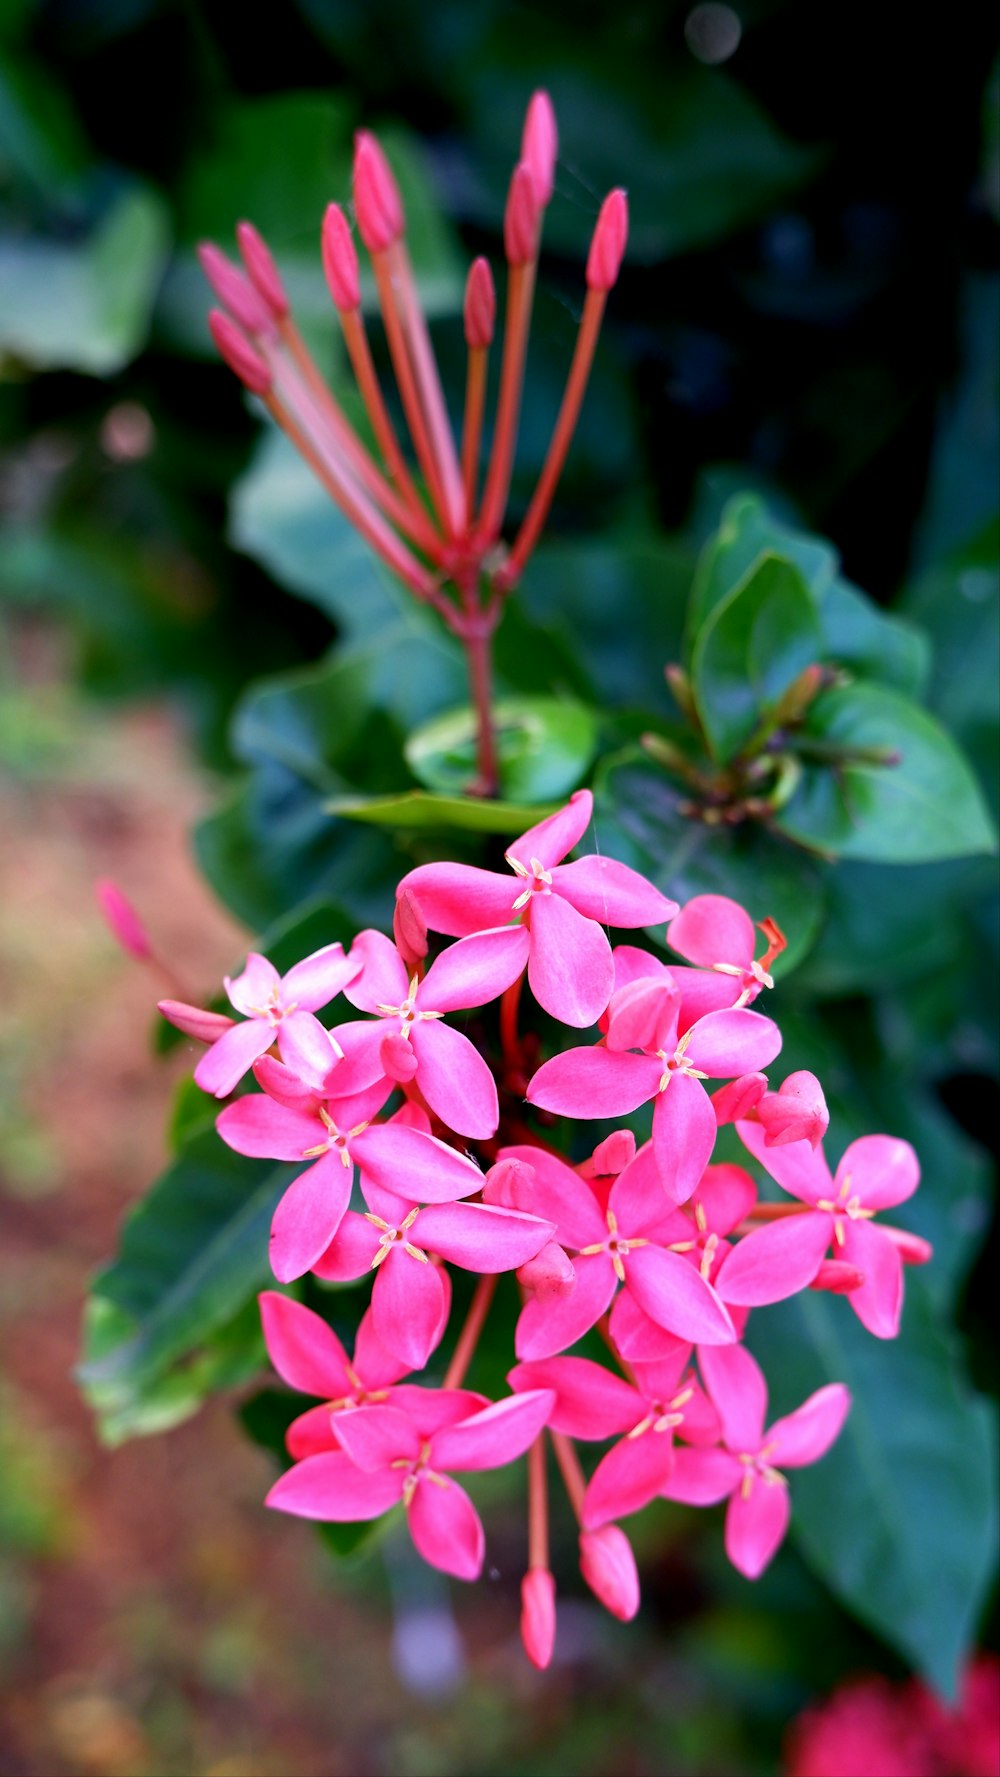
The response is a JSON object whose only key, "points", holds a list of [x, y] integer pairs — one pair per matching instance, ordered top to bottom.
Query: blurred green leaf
{"points": [[751, 647], [544, 747], [421, 809]]}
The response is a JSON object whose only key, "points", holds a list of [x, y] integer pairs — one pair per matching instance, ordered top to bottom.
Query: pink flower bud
{"points": [[540, 145], [376, 195], [520, 221], [607, 248], [340, 261], [261, 269], [235, 291], [480, 306], [235, 348], [123, 920], [409, 928], [205, 1027], [398, 1060], [739, 1099], [796, 1112], [613, 1154], [508, 1184], [912, 1249], [549, 1274], [837, 1276], [608, 1566], [538, 1615]]}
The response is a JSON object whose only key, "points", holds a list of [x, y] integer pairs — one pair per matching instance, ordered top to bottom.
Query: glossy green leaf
{"points": [[746, 532], [751, 647], [544, 748], [928, 806], [422, 809]]}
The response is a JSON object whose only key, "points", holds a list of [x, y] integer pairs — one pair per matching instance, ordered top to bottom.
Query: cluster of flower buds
{"points": [[430, 523], [659, 1249]]}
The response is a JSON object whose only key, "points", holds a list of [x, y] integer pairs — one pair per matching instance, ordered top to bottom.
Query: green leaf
{"points": [[747, 531], [867, 641], [754, 643], [544, 747], [928, 806], [420, 809], [899, 1517]]}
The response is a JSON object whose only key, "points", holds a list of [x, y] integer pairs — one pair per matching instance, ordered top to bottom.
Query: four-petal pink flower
{"points": [[277, 1009]]}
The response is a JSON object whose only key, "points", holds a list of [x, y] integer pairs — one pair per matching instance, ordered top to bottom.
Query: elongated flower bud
{"points": [[540, 145], [377, 201], [520, 221], [607, 248], [340, 261], [261, 269], [235, 291], [480, 306], [235, 348], [122, 920], [409, 928], [194, 1021], [397, 1057], [739, 1099], [796, 1112], [613, 1154], [508, 1184], [912, 1249], [549, 1274], [837, 1276], [608, 1566], [538, 1615]]}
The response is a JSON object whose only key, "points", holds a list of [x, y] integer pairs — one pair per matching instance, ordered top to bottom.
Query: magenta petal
{"points": [[551, 839], [611, 893], [458, 899], [713, 929], [570, 968], [474, 971], [318, 979], [383, 979], [256, 987], [703, 991], [643, 1015], [194, 1021], [361, 1042], [724, 1044], [307, 1048], [222, 1067], [455, 1080], [595, 1083], [285, 1087], [267, 1131], [684, 1132], [408, 1162], [798, 1168], [883, 1171], [558, 1194], [726, 1194], [639, 1202], [308, 1216], [480, 1237], [350, 1253], [775, 1261], [675, 1295], [878, 1304], [409, 1305], [547, 1327], [639, 1338], [304, 1350], [376, 1366], [736, 1385], [591, 1402], [432, 1408], [311, 1432], [806, 1435], [495, 1436], [376, 1437], [628, 1477], [702, 1477], [332, 1488], [755, 1527], [446, 1530]]}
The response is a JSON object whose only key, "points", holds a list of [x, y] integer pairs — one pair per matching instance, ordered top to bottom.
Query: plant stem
{"points": [[478, 639], [468, 1338], [569, 1467], [538, 1505]]}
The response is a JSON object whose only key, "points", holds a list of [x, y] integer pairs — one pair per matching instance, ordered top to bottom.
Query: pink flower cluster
{"points": [[661, 1250], [901, 1730]]}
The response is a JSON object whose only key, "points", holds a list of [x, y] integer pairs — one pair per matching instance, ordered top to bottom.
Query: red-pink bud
{"points": [[540, 144], [377, 202], [520, 221], [607, 248], [340, 260], [261, 269], [235, 291], [480, 306], [235, 348], [123, 921], [409, 928], [194, 1021], [396, 1055], [739, 1099], [796, 1112], [614, 1153], [508, 1184], [912, 1249], [549, 1274], [837, 1276], [608, 1566], [538, 1615]]}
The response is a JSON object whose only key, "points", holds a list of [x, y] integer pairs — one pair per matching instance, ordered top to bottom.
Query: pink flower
{"points": [[563, 907], [718, 934], [277, 1009], [409, 1041], [796, 1112], [875, 1173], [724, 1197], [386, 1460], [746, 1471]]}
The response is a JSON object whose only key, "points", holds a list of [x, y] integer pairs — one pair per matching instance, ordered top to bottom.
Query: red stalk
{"points": [[520, 291], [356, 341], [407, 385], [429, 388], [472, 426], [468, 1338], [573, 1476], [538, 1505]]}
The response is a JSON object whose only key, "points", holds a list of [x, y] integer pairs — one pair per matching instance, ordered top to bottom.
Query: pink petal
{"points": [[552, 838], [611, 893], [458, 899], [712, 929], [633, 964], [569, 969], [474, 971], [319, 978], [383, 979], [253, 990], [703, 991], [643, 1015], [194, 1021], [361, 1042], [734, 1042], [307, 1048], [222, 1067], [455, 1080], [595, 1083], [285, 1087], [735, 1102], [348, 1110], [796, 1112], [256, 1126], [684, 1132], [406, 1160], [798, 1168], [883, 1171], [558, 1194], [726, 1194], [637, 1199], [392, 1209], [308, 1216], [479, 1237], [350, 1253], [776, 1261], [549, 1272], [675, 1295], [409, 1304], [878, 1304], [545, 1328], [639, 1338], [304, 1350], [372, 1361], [658, 1380], [737, 1387], [591, 1402], [432, 1408], [701, 1423], [311, 1432], [806, 1435], [495, 1436], [375, 1437], [628, 1477], [702, 1477], [331, 1487], [755, 1527], [446, 1530]]}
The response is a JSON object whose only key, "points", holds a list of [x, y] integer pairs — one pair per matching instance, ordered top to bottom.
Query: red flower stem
{"points": [[520, 291], [359, 352], [407, 385], [429, 387], [569, 413], [472, 425], [477, 635], [509, 1042], [770, 1212], [604, 1328], [468, 1338], [573, 1476], [538, 1505]]}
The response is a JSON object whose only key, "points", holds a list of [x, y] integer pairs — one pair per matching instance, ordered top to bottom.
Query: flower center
{"points": [[538, 880], [273, 1010], [408, 1011], [677, 1063], [335, 1140], [844, 1205], [396, 1236], [616, 1248], [755, 1463], [418, 1471]]}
